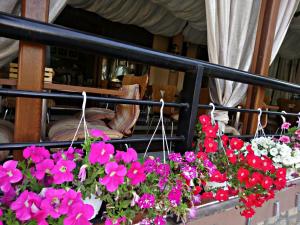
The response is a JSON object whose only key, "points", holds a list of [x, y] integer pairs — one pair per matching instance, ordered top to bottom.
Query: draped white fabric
{"points": [[286, 12], [231, 33], [9, 47]]}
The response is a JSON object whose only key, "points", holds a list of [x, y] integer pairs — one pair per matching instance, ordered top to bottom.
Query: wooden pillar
{"points": [[261, 56], [30, 77]]}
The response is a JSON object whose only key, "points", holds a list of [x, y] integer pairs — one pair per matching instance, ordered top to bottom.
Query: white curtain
{"points": [[286, 13], [231, 33], [9, 47]]}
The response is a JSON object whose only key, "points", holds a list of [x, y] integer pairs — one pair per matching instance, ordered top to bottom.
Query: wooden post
{"points": [[261, 56], [30, 77]]}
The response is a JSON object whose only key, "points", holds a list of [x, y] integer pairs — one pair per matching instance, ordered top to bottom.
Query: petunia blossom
{"points": [[285, 126], [99, 134], [285, 139], [210, 145], [101, 153], [36, 154], [129, 156], [190, 157], [43, 168], [62, 171], [82, 173], [136, 173], [9, 174], [115, 176], [70, 198], [146, 201], [52, 202], [79, 214], [160, 220]]}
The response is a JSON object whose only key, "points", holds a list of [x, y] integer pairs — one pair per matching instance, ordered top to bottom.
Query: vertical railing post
{"points": [[187, 116]]}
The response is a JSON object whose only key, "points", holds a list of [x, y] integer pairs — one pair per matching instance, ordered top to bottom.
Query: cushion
{"points": [[92, 114]]}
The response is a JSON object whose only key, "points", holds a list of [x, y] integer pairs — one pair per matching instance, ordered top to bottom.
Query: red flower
{"points": [[205, 120], [211, 131], [224, 140], [236, 143], [210, 145], [249, 149], [202, 155], [231, 156], [254, 161], [267, 165], [281, 172], [242, 174], [217, 176], [255, 179], [267, 182], [280, 183], [197, 190], [207, 195], [222, 195], [269, 195], [249, 200], [259, 200], [248, 213]]}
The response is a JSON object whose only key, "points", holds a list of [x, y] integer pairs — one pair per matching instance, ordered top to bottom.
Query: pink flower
{"points": [[285, 126], [99, 134], [285, 139], [101, 153], [36, 154], [66, 155], [127, 157], [43, 168], [62, 171], [82, 173], [136, 173], [9, 174], [115, 176], [8, 197], [174, 197], [70, 198], [146, 201], [52, 202], [27, 207], [1, 214], [79, 214], [160, 220], [118, 221]]}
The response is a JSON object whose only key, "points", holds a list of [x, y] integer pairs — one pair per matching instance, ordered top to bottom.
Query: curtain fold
{"points": [[231, 33], [9, 47]]}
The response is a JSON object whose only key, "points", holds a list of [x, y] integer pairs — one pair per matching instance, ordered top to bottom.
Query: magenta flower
{"points": [[285, 126], [99, 134], [285, 139], [101, 153], [36, 154], [66, 155], [127, 157], [175, 157], [190, 157], [150, 165], [43, 168], [163, 170], [62, 171], [189, 172], [82, 173], [136, 173], [9, 174], [115, 176], [162, 182], [8, 197], [70, 197], [174, 197], [146, 201], [52, 202], [27, 207], [192, 212], [1, 214], [79, 214], [160, 220], [118, 221], [146, 221]]}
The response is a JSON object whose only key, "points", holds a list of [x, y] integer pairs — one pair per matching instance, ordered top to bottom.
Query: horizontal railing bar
{"points": [[35, 31], [47, 95], [231, 109], [63, 144]]}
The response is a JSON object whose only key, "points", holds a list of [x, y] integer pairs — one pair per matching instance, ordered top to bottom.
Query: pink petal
{"points": [[10, 164], [111, 166], [121, 171], [17, 176]]}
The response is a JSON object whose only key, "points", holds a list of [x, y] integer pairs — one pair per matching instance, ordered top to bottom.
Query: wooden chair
{"points": [[142, 81]]}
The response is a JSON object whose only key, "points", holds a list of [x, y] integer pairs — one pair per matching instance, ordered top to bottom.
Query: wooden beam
{"points": [[261, 56], [30, 77]]}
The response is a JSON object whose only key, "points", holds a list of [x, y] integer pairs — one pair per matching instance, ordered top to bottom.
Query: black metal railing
{"points": [[49, 34]]}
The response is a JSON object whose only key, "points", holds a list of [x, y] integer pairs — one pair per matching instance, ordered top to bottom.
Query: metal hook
{"points": [[212, 112]]}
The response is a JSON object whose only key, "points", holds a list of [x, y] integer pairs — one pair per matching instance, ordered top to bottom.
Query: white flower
{"points": [[285, 150], [273, 151], [264, 152], [276, 159], [287, 161]]}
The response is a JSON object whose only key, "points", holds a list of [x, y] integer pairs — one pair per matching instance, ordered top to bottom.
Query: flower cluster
{"points": [[244, 169]]}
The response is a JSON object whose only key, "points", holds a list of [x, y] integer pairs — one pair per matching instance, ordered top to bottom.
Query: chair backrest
{"points": [[140, 80], [169, 95], [126, 115]]}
